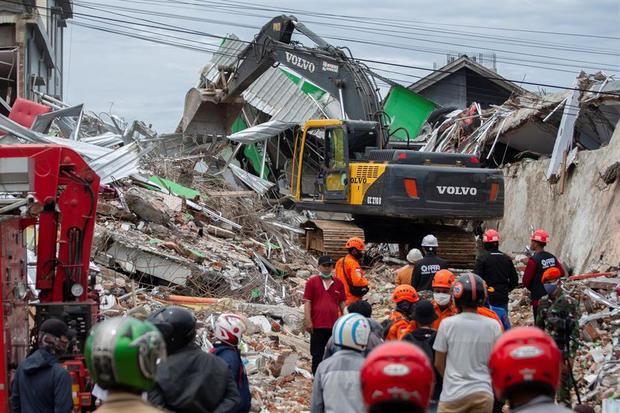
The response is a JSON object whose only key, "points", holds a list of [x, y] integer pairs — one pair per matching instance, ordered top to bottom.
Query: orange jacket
{"points": [[348, 270], [403, 275], [487, 312], [441, 315], [399, 324], [409, 328]]}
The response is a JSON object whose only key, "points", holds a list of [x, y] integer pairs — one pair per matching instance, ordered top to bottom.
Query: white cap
{"points": [[430, 241], [414, 255]]}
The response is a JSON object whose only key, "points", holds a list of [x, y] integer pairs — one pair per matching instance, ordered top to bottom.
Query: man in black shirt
{"points": [[425, 269]]}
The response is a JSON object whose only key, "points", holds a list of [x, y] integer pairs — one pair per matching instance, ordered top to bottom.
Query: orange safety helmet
{"points": [[490, 235], [540, 235], [355, 242], [550, 275], [443, 279], [405, 292]]}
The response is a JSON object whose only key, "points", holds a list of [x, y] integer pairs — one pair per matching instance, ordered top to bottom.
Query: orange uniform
{"points": [[350, 273], [403, 275], [487, 312], [443, 314], [400, 326]]}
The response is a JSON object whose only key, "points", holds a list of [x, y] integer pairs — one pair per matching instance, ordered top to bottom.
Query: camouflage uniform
{"points": [[552, 314]]}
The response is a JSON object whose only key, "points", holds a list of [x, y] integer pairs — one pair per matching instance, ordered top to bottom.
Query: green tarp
{"points": [[408, 110], [174, 188]]}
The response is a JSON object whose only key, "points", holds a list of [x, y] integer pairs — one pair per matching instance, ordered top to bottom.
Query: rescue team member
{"points": [[537, 264], [426, 268], [498, 271], [350, 273], [403, 274], [324, 298], [442, 300], [558, 315], [401, 321], [228, 331], [376, 331], [424, 337], [462, 348], [121, 355], [525, 369], [397, 377], [190, 380], [41, 384], [336, 387]]}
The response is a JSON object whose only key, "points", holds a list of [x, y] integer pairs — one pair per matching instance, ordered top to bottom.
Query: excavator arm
{"points": [[211, 110]]}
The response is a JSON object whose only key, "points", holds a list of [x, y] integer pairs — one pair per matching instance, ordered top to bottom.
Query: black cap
{"points": [[325, 259], [424, 313], [55, 327]]}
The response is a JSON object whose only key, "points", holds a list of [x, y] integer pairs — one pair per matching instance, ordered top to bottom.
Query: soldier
{"points": [[557, 315]]}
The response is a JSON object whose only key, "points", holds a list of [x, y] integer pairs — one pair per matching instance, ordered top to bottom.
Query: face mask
{"points": [[325, 275], [550, 288], [443, 299], [404, 307]]}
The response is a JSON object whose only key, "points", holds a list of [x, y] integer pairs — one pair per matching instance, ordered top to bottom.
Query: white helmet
{"points": [[430, 241], [414, 256], [229, 328], [351, 331]]}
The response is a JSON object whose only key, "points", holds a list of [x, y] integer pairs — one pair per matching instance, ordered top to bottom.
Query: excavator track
{"points": [[329, 237], [457, 246]]}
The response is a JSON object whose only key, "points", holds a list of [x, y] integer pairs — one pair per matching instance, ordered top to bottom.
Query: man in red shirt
{"points": [[324, 301]]}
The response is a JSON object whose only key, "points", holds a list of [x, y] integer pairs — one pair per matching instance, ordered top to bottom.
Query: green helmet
{"points": [[124, 352]]}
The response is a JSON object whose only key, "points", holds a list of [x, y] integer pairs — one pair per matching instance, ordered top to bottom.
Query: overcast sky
{"points": [[137, 79]]}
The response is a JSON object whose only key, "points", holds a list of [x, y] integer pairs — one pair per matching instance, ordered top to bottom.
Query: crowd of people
{"points": [[447, 346]]}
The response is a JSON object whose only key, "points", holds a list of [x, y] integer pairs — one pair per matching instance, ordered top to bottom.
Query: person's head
{"points": [[490, 239], [539, 240], [430, 244], [355, 246], [414, 255], [325, 266], [551, 279], [442, 282], [469, 292], [405, 297], [362, 307], [424, 314], [177, 325], [229, 328], [351, 332], [54, 336], [122, 353], [525, 363], [397, 377]]}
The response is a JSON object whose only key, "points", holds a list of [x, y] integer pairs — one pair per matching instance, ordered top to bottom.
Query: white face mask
{"points": [[442, 299]]}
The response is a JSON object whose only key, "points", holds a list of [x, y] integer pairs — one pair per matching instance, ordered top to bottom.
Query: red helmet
{"points": [[490, 235], [540, 235], [356, 243], [405, 292], [524, 354], [397, 370]]}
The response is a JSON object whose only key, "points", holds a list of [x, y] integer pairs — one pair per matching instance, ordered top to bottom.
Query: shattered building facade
{"points": [[32, 48]]}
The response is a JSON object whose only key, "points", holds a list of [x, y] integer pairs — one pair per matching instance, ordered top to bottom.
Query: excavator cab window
{"points": [[336, 165]]}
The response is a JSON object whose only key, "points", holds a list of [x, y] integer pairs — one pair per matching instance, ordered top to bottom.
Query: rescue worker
{"points": [[537, 264], [426, 268], [349, 271], [403, 274], [500, 274], [324, 298], [442, 300], [558, 316], [401, 321], [228, 330], [376, 331], [462, 348], [121, 355], [525, 370], [397, 377], [190, 380], [41, 384], [336, 387]]}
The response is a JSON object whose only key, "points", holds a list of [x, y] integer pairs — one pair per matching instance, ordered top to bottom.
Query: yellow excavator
{"points": [[392, 195]]}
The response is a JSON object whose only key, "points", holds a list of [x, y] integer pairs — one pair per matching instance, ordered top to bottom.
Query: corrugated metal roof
{"points": [[273, 93]]}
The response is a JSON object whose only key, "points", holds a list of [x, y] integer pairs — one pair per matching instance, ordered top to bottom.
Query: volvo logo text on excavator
{"points": [[300, 62], [457, 190]]}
